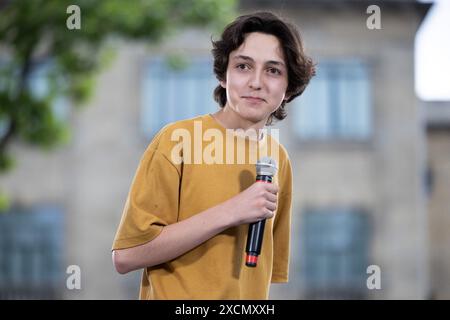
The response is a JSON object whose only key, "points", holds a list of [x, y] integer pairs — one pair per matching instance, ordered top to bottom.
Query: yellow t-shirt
{"points": [[184, 171]]}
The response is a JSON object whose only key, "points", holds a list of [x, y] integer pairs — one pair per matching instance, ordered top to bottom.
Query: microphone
{"points": [[265, 170]]}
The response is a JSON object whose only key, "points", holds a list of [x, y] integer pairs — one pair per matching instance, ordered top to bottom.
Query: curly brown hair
{"points": [[300, 67]]}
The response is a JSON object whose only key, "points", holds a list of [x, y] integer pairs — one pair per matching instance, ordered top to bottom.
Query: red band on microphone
{"points": [[251, 259]]}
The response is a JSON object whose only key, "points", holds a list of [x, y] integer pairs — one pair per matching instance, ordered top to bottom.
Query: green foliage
{"points": [[34, 32], [177, 61], [6, 162], [4, 202]]}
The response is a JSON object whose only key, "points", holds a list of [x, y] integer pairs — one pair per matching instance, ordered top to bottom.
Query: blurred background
{"points": [[368, 140]]}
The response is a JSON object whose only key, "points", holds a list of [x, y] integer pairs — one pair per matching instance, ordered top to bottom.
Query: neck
{"points": [[229, 119]]}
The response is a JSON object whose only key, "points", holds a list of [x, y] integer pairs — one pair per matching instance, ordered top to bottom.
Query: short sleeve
{"points": [[152, 201], [282, 226]]}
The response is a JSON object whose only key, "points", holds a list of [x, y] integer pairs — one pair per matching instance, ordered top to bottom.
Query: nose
{"points": [[255, 81]]}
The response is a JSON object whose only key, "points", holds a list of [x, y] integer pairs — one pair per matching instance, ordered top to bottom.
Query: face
{"points": [[256, 78]]}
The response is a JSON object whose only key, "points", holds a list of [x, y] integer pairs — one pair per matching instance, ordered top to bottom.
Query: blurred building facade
{"points": [[357, 139], [438, 160]]}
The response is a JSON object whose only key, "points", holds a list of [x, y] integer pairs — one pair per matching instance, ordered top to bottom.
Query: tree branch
{"points": [[12, 126], [7, 136]]}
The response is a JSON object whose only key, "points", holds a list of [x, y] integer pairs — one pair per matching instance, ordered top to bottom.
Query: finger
{"points": [[273, 188], [270, 197], [271, 206], [269, 214]]}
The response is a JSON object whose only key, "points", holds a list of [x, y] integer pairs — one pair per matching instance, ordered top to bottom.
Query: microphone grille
{"points": [[266, 166]]}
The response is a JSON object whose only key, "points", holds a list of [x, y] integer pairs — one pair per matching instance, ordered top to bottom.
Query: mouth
{"points": [[253, 99]]}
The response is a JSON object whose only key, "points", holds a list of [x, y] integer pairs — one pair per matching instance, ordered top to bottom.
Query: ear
{"points": [[223, 84]]}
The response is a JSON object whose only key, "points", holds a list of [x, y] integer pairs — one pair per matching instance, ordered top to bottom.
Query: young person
{"points": [[186, 218]]}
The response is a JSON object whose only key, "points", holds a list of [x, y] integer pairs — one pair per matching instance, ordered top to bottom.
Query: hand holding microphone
{"points": [[265, 170], [256, 203]]}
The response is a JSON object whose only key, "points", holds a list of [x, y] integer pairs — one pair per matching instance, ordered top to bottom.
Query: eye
{"points": [[243, 66], [274, 71]]}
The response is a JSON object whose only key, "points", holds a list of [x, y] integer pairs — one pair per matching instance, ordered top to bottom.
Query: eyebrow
{"points": [[247, 58]]}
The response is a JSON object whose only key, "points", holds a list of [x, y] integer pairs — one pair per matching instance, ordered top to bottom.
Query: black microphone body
{"points": [[256, 229], [255, 234]]}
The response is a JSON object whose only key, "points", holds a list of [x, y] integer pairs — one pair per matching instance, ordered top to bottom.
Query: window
{"points": [[169, 95], [336, 104], [336, 245], [31, 248]]}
